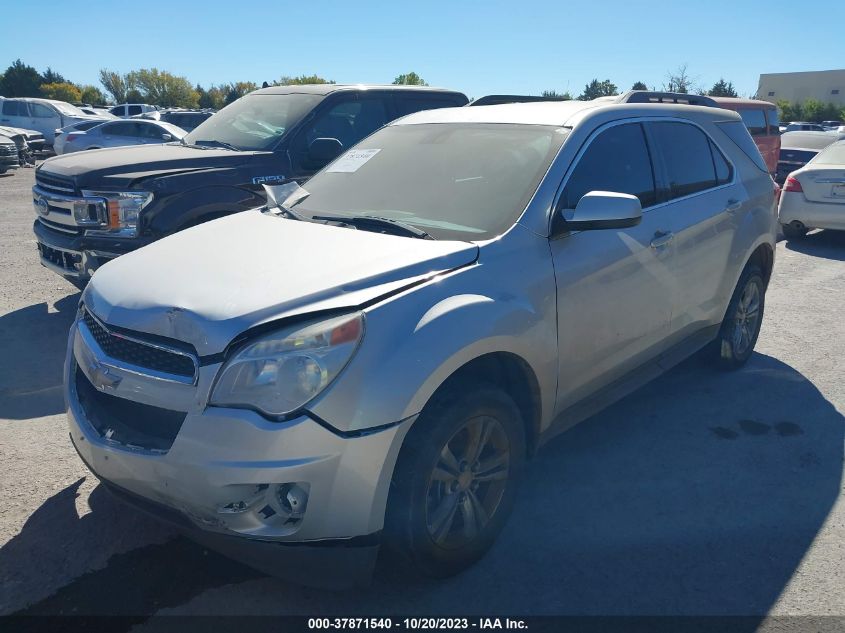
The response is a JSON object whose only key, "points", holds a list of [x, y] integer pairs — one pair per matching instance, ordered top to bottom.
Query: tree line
{"points": [[145, 85]]}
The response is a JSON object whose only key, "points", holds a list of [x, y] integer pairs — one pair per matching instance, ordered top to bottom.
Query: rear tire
{"points": [[794, 230], [741, 325], [455, 481]]}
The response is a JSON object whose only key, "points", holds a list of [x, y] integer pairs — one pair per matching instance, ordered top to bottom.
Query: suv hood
{"points": [[124, 166], [206, 285]]}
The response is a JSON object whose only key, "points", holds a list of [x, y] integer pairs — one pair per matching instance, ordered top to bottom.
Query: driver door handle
{"points": [[733, 206], [661, 239]]}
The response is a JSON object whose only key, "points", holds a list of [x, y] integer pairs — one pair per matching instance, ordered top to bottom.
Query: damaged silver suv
{"points": [[373, 359]]}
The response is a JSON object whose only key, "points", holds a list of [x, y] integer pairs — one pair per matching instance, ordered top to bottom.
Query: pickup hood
{"points": [[126, 166], [206, 285]]}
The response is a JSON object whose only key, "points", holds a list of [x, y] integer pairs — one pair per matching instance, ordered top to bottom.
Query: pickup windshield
{"points": [[254, 122], [458, 181]]}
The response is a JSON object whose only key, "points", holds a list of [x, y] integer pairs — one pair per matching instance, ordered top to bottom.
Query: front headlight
{"points": [[122, 211], [281, 372]]}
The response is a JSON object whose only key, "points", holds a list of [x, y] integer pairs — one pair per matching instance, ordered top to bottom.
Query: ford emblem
{"points": [[41, 206]]}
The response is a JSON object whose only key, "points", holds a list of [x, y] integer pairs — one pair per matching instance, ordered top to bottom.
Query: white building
{"points": [[827, 86]]}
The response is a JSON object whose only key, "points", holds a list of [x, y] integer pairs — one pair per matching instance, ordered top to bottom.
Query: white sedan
{"points": [[813, 197]]}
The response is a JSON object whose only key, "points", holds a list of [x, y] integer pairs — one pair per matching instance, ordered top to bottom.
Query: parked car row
{"points": [[44, 116], [799, 148], [814, 195], [301, 373]]}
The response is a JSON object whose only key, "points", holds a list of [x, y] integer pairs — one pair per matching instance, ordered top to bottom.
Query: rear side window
{"points": [[14, 108], [117, 110], [133, 110], [772, 119], [755, 121], [86, 125], [122, 128], [738, 133], [688, 159], [616, 160], [724, 171]]}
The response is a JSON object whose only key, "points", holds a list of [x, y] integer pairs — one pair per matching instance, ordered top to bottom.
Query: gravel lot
{"points": [[704, 493]]}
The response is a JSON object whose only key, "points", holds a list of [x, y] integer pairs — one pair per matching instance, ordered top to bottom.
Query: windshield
{"points": [[66, 108], [254, 122], [831, 155], [454, 180]]}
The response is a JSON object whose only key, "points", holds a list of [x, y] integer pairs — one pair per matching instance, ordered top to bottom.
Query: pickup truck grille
{"points": [[8, 150], [54, 183], [140, 354]]}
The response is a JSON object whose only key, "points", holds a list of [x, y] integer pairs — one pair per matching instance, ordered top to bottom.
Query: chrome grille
{"points": [[8, 150], [138, 353]]}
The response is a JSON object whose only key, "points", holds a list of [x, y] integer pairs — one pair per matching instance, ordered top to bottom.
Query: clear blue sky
{"points": [[520, 46]]}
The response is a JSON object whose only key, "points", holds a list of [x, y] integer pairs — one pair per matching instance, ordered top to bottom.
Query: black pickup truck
{"points": [[95, 206]]}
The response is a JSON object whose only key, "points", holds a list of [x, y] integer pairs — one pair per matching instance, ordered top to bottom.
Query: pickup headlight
{"points": [[122, 211], [283, 371]]}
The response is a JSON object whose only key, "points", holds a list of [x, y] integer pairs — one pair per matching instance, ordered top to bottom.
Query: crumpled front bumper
{"points": [[221, 478]]}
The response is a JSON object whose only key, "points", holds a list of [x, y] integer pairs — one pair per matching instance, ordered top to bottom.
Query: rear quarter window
{"points": [[738, 133]]}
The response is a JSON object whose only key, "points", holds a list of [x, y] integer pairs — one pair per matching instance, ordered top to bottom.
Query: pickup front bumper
{"points": [[75, 256]]}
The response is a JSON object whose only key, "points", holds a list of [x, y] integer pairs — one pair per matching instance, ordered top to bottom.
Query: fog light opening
{"points": [[293, 501]]}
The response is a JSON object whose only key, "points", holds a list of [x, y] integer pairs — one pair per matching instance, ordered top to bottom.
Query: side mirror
{"points": [[166, 137], [321, 151], [602, 210]]}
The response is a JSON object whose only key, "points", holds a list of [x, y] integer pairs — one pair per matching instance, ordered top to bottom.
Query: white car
{"points": [[127, 110], [63, 133], [814, 196]]}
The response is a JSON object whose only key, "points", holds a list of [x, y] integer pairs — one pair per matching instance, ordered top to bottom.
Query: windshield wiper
{"points": [[213, 143], [368, 222]]}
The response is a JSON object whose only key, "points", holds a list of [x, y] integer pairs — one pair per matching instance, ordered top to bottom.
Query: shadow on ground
{"points": [[826, 244], [33, 340], [700, 494]]}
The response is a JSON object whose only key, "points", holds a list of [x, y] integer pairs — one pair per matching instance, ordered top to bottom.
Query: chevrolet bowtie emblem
{"points": [[102, 378]]}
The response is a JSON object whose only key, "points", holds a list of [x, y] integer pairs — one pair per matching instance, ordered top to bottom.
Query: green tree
{"points": [[50, 76], [409, 79], [20, 80], [302, 80], [115, 84], [639, 85], [162, 88], [597, 88], [722, 88], [62, 91], [235, 91], [554, 94], [93, 95], [133, 95], [214, 97], [813, 110], [788, 111]]}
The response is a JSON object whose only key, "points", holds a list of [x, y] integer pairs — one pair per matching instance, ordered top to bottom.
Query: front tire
{"points": [[741, 325], [455, 481]]}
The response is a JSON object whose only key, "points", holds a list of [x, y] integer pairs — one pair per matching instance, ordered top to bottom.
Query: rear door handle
{"points": [[733, 206], [661, 239]]}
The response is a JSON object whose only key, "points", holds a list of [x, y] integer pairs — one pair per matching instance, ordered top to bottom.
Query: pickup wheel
{"points": [[741, 326], [455, 482]]}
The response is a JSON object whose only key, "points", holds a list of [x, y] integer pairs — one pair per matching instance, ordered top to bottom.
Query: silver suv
{"points": [[375, 358]]}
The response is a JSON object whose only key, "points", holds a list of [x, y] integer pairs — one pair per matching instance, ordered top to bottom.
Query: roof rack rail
{"points": [[650, 96]]}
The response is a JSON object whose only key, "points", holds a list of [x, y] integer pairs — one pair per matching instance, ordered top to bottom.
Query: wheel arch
{"points": [[511, 373]]}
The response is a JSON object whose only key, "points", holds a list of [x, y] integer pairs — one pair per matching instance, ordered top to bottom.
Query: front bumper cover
{"points": [[220, 456]]}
